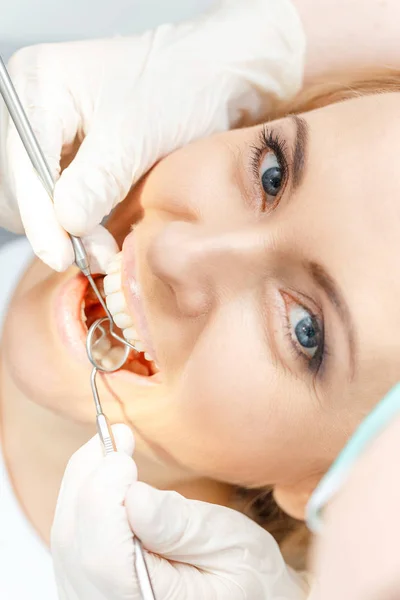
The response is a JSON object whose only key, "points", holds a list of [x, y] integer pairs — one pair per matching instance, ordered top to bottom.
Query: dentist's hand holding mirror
{"points": [[194, 550]]}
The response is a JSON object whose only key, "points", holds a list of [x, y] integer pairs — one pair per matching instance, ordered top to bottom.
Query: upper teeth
{"points": [[116, 304]]}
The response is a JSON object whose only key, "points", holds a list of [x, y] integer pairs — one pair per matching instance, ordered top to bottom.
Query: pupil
{"points": [[272, 180], [307, 333]]}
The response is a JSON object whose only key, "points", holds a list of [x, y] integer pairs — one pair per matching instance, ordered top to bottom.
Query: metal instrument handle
{"points": [[35, 153], [105, 434]]}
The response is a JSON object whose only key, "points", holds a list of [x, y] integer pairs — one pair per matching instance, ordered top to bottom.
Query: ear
{"points": [[293, 499]]}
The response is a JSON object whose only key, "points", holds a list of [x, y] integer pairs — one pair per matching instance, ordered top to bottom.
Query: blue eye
{"points": [[269, 161], [271, 174], [306, 330]]}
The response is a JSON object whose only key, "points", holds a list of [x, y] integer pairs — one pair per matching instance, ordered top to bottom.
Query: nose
{"points": [[204, 267]]}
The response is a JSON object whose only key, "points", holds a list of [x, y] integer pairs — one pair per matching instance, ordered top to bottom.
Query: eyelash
{"points": [[270, 140], [315, 363]]}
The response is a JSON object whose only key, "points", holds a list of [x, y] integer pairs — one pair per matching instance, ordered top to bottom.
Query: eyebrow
{"points": [[300, 149], [332, 291]]}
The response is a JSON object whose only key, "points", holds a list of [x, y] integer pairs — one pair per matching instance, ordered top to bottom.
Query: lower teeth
{"points": [[110, 357], [113, 358]]}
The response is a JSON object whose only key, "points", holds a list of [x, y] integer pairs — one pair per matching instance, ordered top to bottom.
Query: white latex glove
{"points": [[134, 100], [195, 550]]}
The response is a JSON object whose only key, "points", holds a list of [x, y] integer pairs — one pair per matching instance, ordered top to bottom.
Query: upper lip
{"points": [[132, 292]]}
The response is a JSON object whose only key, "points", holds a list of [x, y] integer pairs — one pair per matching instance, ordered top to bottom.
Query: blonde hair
{"points": [[342, 87], [292, 535]]}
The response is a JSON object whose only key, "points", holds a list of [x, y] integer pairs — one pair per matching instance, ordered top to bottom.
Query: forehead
{"points": [[355, 146], [352, 174], [349, 205]]}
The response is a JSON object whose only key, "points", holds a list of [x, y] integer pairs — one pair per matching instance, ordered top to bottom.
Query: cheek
{"points": [[199, 182], [29, 347], [36, 362], [234, 421], [247, 422], [241, 426]]}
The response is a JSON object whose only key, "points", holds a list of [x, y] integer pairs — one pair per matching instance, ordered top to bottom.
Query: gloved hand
{"points": [[134, 100], [194, 550]]}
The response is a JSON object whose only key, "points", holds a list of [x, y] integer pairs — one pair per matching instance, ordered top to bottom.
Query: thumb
{"points": [[101, 248], [81, 466], [102, 533]]}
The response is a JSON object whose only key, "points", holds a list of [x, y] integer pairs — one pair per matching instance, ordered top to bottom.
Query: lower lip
{"points": [[132, 293], [68, 306]]}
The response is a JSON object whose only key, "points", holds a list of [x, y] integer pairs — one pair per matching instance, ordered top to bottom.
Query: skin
{"points": [[221, 267], [344, 567]]}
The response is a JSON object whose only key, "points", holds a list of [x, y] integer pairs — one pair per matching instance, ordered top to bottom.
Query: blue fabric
{"points": [[370, 428]]}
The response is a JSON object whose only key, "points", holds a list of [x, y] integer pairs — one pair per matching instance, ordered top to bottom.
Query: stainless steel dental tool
{"points": [[100, 328], [105, 432]]}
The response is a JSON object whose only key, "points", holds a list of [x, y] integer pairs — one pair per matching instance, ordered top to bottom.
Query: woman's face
{"points": [[267, 264]]}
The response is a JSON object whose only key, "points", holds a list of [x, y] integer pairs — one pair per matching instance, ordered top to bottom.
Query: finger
{"points": [[47, 101], [55, 122], [98, 178], [9, 214], [10, 218], [47, 238], [101, 248], [85, 460], [80, 466], [169, 524], [103, 534], [236, 557], [185, 559]]}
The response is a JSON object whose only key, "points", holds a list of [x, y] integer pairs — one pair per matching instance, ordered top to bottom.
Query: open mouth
{"points": [[108, 350]]}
